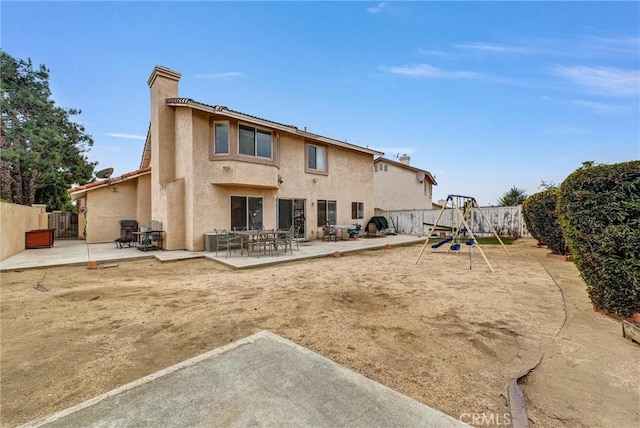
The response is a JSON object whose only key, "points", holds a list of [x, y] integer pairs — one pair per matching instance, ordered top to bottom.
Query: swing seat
{"points": [[455, 247]]}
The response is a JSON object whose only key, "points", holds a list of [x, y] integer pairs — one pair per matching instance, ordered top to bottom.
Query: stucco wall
{"points": [[350, 179], [191, 187], [399, 189], [143, 193], [108, 205], [15, 220]]}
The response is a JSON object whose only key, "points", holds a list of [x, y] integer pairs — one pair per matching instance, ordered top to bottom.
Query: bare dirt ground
{"points": [[444, 334]]}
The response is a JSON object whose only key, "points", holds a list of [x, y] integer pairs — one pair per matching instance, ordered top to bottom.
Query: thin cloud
{"points": [[378, 8], [613, 46], [494, 48], [437, 53], [429, 71], [226, 75], [602, 80], [599, 108], [565, 130], [127, 136], [113, 149]]}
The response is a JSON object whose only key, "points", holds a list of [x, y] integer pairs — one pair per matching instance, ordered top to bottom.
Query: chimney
{"points": [[163, 84], [405, 159]]}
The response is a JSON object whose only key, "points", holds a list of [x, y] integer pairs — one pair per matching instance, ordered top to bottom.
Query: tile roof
{"points": [[222, 110], [405, 166], [108, 181]]}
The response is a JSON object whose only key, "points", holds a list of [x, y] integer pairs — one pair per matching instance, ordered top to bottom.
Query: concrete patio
{"points": [[77, 253], [262, 380]]}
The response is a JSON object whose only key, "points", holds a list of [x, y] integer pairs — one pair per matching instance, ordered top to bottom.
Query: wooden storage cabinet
{"points": [[40, 238]]}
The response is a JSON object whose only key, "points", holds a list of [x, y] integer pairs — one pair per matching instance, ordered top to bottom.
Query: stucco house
{"points": [[208, 167], [400, 186]]}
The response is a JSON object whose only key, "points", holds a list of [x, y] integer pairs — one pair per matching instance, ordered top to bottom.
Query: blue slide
{"points": [[441, 243]]}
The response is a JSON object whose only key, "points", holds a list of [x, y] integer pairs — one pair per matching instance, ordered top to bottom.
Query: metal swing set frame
{"points": [[468, 203]]}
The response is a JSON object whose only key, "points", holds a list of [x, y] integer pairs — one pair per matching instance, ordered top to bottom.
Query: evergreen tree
{"points": [[42, 151]]}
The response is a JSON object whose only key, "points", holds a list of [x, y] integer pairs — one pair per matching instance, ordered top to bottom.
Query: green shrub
{"points": [[529, 206], [599, 208], [541, 217]]}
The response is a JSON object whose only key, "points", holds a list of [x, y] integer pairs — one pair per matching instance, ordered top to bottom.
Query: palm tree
{"points": [[512, 197]]}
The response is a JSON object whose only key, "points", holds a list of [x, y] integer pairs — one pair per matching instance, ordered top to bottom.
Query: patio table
{"points": [[268, 239]]}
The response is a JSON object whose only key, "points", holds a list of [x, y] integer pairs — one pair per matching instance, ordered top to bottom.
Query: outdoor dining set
{"points": [[256, 242]]}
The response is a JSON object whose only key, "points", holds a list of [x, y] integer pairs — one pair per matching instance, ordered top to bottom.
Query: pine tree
{"points": [[42, 151]]}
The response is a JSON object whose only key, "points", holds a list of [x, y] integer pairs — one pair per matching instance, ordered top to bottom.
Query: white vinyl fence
{"points": [[507, 221]]}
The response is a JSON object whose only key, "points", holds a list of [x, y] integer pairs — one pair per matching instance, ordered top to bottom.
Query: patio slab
{"points": [[78, 253], [261, 380]]}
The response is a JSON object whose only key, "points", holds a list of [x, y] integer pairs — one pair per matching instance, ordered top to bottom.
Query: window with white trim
{"points": [[221, 138], [254, 142], [317, 158]]}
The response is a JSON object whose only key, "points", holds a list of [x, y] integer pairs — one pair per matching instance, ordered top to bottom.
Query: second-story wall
{"points": [[210, 181], [192, 186], [398, 188]]}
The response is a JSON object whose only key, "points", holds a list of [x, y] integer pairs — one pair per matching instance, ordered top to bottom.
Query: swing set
{"points": [[461, 207]]}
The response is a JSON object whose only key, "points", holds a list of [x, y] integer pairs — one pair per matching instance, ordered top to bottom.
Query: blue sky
{"points": [[484, 95]]}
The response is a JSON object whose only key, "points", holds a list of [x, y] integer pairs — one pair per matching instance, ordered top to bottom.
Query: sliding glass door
{"points": [[292, 212], [246, 213]]}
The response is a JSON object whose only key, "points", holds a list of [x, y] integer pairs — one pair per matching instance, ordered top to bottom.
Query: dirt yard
{"points": [[447, 335]]}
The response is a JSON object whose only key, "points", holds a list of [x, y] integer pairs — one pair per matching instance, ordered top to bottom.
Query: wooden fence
{"points": [[507, 221]]}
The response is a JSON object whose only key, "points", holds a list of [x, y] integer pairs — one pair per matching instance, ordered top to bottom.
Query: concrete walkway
{"points": [[79, 253], [263, 380]]}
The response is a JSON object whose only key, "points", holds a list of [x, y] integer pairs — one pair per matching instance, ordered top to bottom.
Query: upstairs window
{"points": [[221, 138], [254, 142], [316, 158]]}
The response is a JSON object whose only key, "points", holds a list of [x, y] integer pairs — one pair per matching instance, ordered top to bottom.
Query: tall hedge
{"points": [[529, 208], [599, 208], [541, 217]]}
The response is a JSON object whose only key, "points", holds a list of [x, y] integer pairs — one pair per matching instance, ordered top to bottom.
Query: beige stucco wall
{"points": [[163, 84], [350, 179], [191, 187], [399, 189], [143, 198], [106, 206], [15, 220]]}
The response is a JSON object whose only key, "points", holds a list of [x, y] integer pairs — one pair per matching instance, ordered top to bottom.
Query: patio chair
{"points": [[127, 230], [329, 232], [151, 237], [285, 238], [228, 241], [264, 242]]}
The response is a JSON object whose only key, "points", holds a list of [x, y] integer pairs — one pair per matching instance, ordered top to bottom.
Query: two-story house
{"points": [[208, 167], [400, 186]]}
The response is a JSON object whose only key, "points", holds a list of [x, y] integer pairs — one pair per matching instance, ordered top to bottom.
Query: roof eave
{"points": [[223, 111], [81, 191]]}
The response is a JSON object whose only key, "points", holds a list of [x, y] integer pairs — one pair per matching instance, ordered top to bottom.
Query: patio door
{"points": [[292, 212], [246, 213]]}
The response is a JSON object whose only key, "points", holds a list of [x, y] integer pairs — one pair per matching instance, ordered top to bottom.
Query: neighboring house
{"points": [[207, 167], [400, 186]]}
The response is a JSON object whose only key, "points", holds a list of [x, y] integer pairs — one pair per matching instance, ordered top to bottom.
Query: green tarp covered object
{"points": [[380, 222]]}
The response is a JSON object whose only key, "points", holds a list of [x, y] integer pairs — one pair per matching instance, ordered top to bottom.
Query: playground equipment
{"points": [[467, 203]]}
